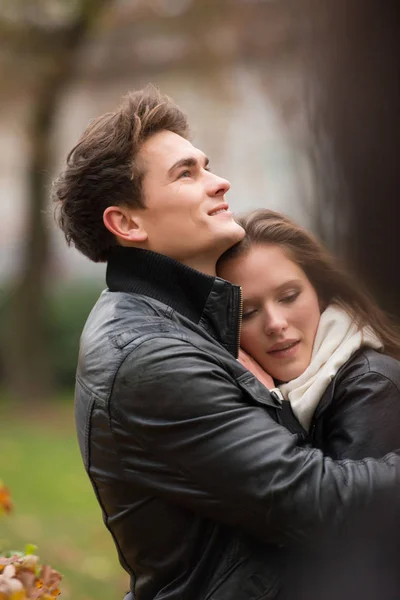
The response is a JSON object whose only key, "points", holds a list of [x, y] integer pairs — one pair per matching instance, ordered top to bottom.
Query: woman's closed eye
{"points": [[289, 298], [248, 312]]}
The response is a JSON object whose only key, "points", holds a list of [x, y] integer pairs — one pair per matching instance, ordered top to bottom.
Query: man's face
{"points": [[186, 216]]}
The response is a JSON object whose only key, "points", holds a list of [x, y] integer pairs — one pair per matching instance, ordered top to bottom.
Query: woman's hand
{"points": [[253, 366]]}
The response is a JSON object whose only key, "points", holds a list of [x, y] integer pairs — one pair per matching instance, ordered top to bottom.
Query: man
{"points": [[199, 485]]}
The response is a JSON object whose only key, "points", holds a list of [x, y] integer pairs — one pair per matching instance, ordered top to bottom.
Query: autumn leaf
{"points": [[5, 499], [22, 578]]}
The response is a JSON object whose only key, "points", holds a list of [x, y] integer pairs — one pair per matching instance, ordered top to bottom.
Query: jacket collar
{"points": [[210, 302]]}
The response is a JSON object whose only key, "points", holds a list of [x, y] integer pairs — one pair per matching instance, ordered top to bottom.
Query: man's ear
{"points": [[125, 224]]}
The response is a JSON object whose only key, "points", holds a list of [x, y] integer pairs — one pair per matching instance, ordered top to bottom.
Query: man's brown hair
{"points": [[102, 169]]}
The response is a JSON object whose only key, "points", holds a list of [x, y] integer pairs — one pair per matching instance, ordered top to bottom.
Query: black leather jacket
{"points": [[359, 414], [358, 417], [197, 481]]}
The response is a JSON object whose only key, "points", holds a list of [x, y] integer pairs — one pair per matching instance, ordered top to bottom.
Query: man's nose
{"points": [[218, 186], [275, 321]]}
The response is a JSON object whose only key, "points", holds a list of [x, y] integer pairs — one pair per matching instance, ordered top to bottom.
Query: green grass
{"points": [[55, 507]]}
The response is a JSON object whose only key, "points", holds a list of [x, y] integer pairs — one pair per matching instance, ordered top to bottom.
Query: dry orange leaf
{"points": [[5, 499]]}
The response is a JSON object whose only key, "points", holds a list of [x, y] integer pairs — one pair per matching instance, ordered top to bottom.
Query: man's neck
{"points": [[203, 263], [207, 267]]}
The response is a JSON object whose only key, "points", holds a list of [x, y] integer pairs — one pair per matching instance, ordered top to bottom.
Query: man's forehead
{"points": [[168, 147]]}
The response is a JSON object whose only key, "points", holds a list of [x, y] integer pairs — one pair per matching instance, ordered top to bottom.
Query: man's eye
{"points": [[184, 174], [290, 298]]}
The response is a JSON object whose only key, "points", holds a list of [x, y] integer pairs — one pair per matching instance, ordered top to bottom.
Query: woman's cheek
{"points": [[306, 311], [249, 338]]}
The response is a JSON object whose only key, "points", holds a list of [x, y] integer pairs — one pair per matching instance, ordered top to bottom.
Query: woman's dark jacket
{"points": [[359, 414], [358, 417], [197, 481]]}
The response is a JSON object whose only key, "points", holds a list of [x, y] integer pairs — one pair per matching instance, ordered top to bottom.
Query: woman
{"points": [[329, 348]]}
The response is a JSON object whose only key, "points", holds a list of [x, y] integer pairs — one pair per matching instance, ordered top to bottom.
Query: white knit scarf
{"points": [[337, 339]]}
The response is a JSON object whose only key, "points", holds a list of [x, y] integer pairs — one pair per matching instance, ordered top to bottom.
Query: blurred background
{"points": [[295, 101]]}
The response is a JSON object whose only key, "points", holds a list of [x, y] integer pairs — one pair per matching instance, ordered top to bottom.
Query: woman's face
{"points": [[280, 310]]}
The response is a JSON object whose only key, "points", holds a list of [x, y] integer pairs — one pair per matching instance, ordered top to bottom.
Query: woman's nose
{"points": [[275, 321]]}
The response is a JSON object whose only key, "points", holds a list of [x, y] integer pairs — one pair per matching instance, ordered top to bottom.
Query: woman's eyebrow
{"points": [[287, 284], [254, 297]]}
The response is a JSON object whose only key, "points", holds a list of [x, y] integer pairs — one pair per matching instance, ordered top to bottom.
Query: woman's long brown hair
{"points": [[332, 282]]}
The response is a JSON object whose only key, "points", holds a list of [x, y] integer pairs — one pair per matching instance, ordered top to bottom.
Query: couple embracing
{"points": [[236, 392]]}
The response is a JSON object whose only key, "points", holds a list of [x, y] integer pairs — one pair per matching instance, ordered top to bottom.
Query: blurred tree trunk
{"points": [[353, 55], [30, 376]]}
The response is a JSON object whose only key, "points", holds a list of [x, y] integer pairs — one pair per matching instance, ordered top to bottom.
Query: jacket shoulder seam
{"points": [[182, 337], [372, 372]]}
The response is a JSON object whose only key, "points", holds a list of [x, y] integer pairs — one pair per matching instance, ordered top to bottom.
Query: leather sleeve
{"points": [[363, 419], [207, 448]]}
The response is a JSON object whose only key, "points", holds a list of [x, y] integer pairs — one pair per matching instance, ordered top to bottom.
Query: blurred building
{"points": [[235, 66]]}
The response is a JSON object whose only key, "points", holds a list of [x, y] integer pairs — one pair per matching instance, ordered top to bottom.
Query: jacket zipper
{"points": [[239, 332]]}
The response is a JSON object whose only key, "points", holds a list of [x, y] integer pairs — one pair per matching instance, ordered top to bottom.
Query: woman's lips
{"points": [[286, 351]]}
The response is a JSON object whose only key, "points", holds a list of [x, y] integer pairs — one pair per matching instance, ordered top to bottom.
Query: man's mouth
{"points": [[221, 208]]}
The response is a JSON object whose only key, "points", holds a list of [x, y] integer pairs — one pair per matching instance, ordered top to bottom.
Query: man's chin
{"points": [[233, 230], [240, 232], [234, 236], [226, 239]]}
